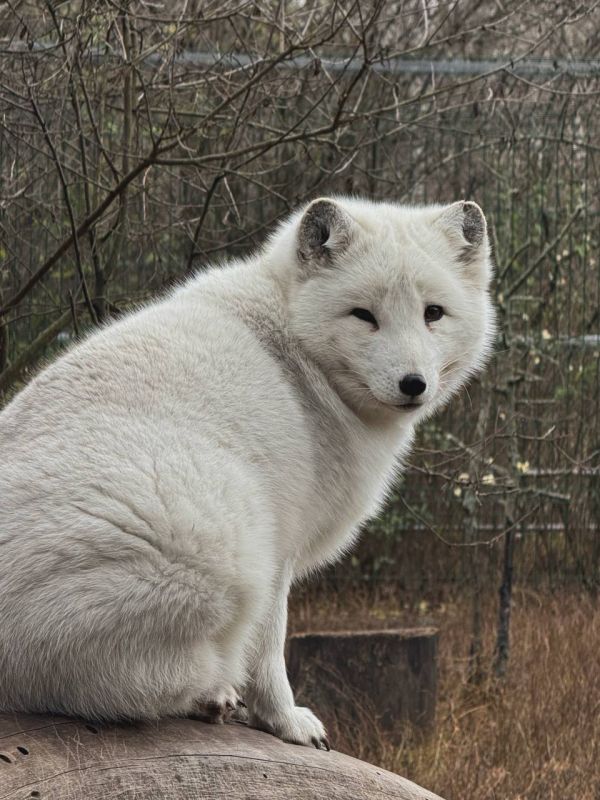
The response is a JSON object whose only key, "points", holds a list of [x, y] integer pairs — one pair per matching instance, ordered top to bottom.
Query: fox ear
{"points": [[466, 229], [325, 231]]}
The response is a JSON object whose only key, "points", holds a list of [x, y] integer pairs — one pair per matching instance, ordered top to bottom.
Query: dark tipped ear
{"points": [[464, 222], [465, 226], [474, 226], [325, 231]]}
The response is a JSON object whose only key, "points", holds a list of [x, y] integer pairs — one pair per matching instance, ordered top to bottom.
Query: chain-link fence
{"points": [[134, 151]]}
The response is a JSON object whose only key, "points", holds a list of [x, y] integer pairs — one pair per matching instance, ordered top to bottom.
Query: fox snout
{"points": [[413, 384]]}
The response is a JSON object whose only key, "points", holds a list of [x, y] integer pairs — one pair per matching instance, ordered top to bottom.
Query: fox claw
{"points": [[322, 743]]}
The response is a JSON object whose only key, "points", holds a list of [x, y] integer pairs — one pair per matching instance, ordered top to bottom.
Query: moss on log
{"points": [[56, 758]]}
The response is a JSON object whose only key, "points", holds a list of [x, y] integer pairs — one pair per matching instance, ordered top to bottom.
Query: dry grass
{"points": [[535, 736]]}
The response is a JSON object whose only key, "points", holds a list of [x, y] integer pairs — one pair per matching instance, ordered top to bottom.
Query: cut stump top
{"points": [[371, 633], [57, 758]]}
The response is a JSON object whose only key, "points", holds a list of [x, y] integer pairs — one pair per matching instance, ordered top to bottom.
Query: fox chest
{"points": [[350, 487]]}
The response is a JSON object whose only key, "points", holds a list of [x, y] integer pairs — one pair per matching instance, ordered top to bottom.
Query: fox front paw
{"points": [[296, 725]]}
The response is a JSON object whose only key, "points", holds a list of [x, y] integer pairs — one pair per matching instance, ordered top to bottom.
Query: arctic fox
{"points": [[164, 481]]}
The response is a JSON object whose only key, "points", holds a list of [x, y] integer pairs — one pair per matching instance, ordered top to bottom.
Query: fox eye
{"points": [[433, 313], [365, 315]]}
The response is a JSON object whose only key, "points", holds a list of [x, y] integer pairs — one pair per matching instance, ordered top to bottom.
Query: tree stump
{"points": [[382, 678], [57, 758]]}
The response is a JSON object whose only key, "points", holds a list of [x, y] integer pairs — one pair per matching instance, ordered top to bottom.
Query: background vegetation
{"points": [[140, 141], [531, 736]]}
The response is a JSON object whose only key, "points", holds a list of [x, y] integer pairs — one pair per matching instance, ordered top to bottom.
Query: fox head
{"points": [[391, 301]]}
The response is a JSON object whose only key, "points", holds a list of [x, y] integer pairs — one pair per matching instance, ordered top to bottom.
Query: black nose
{"points": [[413, 385]]}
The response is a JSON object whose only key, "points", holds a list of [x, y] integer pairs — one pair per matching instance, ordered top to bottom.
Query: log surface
{"points": [[57, 758]]}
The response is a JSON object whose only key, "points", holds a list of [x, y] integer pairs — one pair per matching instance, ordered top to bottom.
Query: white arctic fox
{"points": [[163, 483]]}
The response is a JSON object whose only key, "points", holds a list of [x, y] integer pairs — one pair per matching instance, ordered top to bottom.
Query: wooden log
{"points": [[387, 677], [57, 758]]}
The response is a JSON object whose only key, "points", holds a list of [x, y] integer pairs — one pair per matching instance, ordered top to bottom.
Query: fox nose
{"points": [[413, 385]]}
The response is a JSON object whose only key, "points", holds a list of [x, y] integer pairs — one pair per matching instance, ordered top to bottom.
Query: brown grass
{"points": [[533, 736]]}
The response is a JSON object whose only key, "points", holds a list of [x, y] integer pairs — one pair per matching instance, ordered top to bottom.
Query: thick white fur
{"points": [[163, 482]]}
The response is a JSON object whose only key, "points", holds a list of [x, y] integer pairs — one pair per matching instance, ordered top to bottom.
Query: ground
{"points": [[533, 736]]}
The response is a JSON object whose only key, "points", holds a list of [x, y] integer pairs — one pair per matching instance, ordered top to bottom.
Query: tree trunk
{"points": [[382, 678]]}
